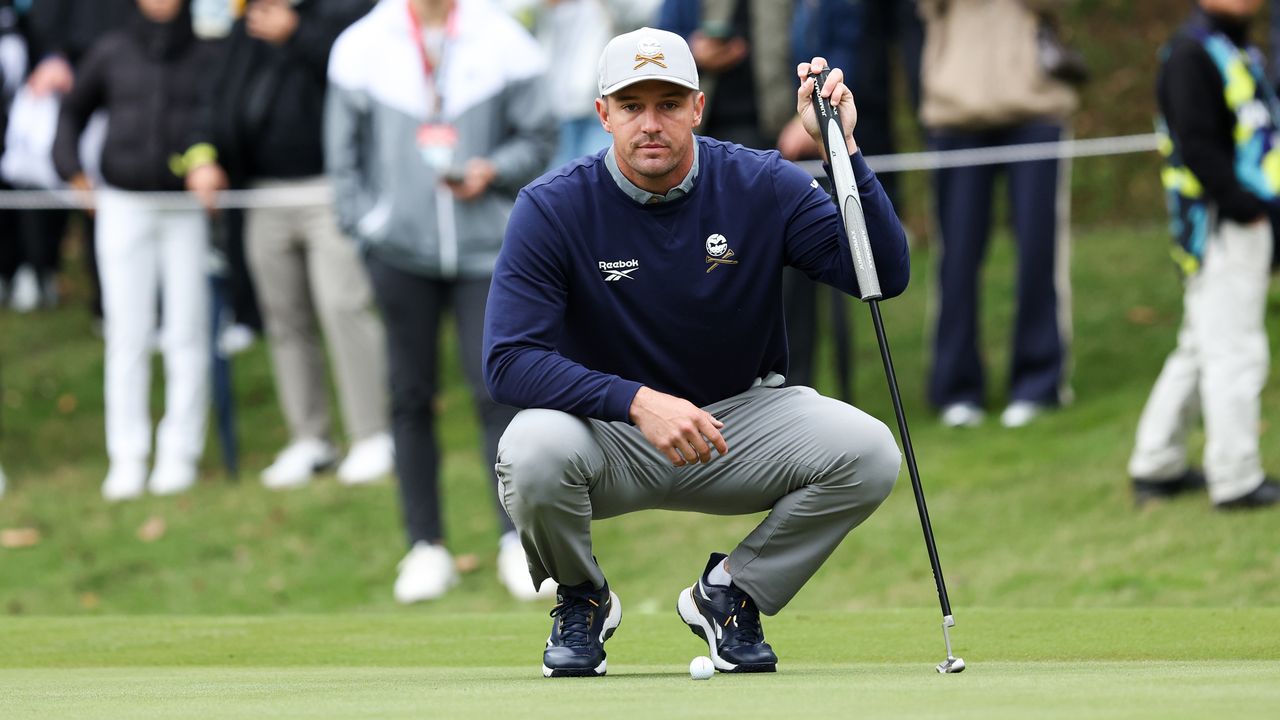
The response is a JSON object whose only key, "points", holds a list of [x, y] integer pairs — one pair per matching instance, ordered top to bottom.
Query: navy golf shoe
{"points": [[584, 618], [728, 620]]}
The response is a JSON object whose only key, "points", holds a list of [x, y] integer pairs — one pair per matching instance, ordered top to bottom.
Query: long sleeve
{"points": [[85, 97], [345, 141], [525, 152], [816, 239], [528, 300]]}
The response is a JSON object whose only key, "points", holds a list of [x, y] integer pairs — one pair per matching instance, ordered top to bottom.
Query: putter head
{"points": [[950, 666]]}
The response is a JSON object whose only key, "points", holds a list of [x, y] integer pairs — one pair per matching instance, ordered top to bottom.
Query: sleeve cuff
{"points": [[862, 172], [617, 401]]}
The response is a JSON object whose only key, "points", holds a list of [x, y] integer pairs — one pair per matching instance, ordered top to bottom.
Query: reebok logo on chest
{"points": [[618, 269]]}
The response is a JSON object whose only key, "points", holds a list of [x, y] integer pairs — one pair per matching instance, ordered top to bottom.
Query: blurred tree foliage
{"points": [[1120, 39]]}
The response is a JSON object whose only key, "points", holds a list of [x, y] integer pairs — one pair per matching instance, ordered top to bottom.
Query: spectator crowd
{"points": [[410, 126]]}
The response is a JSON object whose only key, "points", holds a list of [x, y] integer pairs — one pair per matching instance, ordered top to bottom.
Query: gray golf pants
{"points": [[819, 466]]}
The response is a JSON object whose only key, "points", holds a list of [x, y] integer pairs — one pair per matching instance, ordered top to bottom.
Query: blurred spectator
{"points": [[62, 32], [573, 33], [861, 35], [14, 60], [744, 61], [148, 77], [983, 86], [436, 118], [265, 120], [1221, 160], [29, 254], [239, 321]]}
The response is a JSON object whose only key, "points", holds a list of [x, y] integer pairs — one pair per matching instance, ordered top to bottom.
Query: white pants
{"points": [[144, 254], [1218, 368]]}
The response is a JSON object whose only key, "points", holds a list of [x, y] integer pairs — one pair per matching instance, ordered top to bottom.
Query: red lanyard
{"points": [[431, 72]]}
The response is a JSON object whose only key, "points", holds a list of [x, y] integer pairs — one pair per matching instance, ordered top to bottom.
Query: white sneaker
{"points": [[24, 296], [235, 339], [1020, 413], [962, 414], [368, 460], [295, 465], [171, 477], [126, 480], [513, 572], [425, 573]]}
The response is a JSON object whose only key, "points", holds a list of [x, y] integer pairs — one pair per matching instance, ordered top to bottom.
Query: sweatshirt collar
{"points": [[644, 197]]}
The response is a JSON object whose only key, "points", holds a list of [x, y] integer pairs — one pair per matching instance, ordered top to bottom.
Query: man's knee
{"points": [[862, 452], [542, 454], [879, 462]]}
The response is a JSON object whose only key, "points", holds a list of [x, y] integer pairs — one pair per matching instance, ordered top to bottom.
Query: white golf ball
{"points": [[700, 668]]}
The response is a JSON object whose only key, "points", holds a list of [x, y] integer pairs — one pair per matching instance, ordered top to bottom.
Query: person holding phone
{"points": [[435, 118]]}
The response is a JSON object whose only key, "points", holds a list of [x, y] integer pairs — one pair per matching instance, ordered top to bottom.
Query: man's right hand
{"points": [[679, 429]]}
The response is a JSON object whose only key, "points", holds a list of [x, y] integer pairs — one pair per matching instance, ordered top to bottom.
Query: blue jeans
{"points": [[964, 199]]}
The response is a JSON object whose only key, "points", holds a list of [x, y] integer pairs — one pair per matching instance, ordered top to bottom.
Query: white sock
{"points": [[507, 538], [719, 574]]}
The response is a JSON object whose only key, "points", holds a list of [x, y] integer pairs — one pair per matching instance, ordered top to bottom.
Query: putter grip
{"points": [[845, 188]]}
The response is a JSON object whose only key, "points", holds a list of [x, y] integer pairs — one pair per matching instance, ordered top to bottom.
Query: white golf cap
{"points": [[646, 54]]}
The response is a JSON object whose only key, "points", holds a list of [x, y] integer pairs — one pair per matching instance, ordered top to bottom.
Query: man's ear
{"points": [[699, 104], [602, 111]]}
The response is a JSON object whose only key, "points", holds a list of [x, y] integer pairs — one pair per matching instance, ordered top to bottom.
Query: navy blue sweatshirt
{"points": [[595, 294]]}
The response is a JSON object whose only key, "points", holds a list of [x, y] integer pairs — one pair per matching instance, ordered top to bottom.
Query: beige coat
{"points": [[981, 68]]}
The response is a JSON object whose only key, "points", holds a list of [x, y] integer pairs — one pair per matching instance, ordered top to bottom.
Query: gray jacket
{"points": [[387, 195]]}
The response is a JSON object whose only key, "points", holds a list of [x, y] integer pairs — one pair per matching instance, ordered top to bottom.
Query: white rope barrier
{"points": [[936, 160], [312, 194], [304, 196]]}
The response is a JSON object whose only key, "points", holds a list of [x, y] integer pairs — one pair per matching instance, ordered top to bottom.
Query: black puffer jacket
{"points": [[70, 27], [150, 77], [268, 101]]}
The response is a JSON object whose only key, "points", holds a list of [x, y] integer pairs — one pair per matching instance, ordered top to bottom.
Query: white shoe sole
{"points": [[689, 613], [611, 624]]}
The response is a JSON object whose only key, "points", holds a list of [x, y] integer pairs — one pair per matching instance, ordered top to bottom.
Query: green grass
{"points": [[1036, 517], [259, 604], [1023, 663]]}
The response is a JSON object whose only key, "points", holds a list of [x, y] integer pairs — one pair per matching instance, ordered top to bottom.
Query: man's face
{"points": [[1234, 8], [160, 11], [652, 124]]}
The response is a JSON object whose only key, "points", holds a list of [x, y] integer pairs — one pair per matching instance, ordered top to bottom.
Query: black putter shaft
{"points": [[845, 194]]}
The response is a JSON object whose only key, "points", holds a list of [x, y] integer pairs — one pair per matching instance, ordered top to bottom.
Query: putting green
{"points": [[1165, 663]]}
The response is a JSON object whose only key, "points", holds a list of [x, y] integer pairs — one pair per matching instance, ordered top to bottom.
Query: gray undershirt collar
{"points": [[644, 197]]}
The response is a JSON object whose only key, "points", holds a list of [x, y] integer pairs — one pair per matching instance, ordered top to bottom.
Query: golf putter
{"points": [[845, 194]]}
